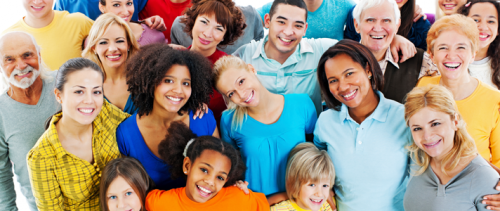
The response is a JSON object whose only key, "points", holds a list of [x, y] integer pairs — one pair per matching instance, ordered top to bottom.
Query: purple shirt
{"points": [[149, 36]]}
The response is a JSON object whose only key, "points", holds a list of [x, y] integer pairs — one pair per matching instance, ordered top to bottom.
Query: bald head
{"points": [[16, 39]]}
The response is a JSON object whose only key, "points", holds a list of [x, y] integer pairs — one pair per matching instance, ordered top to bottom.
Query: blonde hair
{"points": [[462, 24], [97, 31], [223, 64], [439, 99], [307, 163]]}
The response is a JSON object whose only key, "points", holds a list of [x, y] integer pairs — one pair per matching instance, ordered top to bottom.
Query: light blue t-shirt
{"points": [[90, 8], [326, 22], [296, 75], [265, 147], [370, 159]]}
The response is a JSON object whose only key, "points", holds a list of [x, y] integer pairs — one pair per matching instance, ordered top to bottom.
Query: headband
{"points": [[187, 146]]}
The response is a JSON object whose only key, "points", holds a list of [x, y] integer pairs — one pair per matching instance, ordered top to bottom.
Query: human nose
{"points": [[481, 25], [377, 26], [288, 30], [208, 32], [112, 47], [21, 65], [343, 85], [177, 87], [88, 97], [121, 203]]}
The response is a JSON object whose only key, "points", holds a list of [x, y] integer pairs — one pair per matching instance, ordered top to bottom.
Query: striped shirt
{"points": [[63, 181]]}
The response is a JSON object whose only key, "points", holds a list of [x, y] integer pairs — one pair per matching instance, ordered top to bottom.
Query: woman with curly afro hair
{"points": [[212, 24], [166, 85]]}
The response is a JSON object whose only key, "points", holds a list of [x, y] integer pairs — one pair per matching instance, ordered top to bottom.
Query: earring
{"points": [[369, 77], [185, 172]]}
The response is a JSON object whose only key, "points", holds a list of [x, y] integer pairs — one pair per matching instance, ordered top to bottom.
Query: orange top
{"points": [[230, 198]]}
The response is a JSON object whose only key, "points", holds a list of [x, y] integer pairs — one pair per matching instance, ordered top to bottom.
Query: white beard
{"points": [[25, 82]]}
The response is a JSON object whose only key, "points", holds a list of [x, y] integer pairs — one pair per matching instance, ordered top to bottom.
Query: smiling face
{"points": [[450, 7], [38, 8], [122, 8], [486, 17], [377, 27], [286, 28], [207, 33], [112, 47], [452, 54], [19, 60], [348, 81], [241, 86], [174, 90], [82, 97], [433, 131], [206, 175], [313, 195], [122, 197]]}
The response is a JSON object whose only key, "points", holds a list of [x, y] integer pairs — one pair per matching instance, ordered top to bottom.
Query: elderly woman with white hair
{"points": [[377, 22]]}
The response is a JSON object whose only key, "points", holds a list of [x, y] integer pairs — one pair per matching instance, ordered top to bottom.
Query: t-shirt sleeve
{"points": [[264, 10], [350, 30], [176, 32], [310, 114], [210, 120], [225, 128], [317, 134], [120, 139], [483, 183], [7, 193], [158, 199], [259, 201]]}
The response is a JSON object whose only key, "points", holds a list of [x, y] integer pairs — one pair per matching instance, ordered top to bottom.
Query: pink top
{"points": [[149, 36]]}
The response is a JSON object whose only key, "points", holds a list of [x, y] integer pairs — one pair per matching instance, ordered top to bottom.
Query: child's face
{"points": [[206, 176], [313, 195], [121, 196]]}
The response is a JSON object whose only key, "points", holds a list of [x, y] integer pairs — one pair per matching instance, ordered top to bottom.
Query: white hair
{"points": [[367, 4], [4, 82]]}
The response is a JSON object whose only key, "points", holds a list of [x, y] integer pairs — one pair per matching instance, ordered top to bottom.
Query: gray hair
{"points": [[367, 4], [44, 70]]}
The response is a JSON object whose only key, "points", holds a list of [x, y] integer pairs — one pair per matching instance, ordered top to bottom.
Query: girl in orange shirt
{"points": [[211, 166]]}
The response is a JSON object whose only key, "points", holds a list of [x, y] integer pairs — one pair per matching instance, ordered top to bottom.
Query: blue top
{"points": [[90, 8], [326, 22], [417, 34], [296, 75], [129, 106], [132, 144], [265, 147], [370, 159]]}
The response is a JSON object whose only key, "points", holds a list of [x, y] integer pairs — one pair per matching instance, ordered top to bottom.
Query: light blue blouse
{"points": [[265, 148], [370, 159]]}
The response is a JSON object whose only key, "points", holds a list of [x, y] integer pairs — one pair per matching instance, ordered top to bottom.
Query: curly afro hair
{"points": [[226, 13], [147, 68], [171, 150]]}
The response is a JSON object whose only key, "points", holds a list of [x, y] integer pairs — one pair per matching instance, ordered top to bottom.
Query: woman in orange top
{"points": [[211, 166]]}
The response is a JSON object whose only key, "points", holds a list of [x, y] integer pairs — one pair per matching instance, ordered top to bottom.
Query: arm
{"points": [[155, 22], [350, 30], [400, 43], [495, 141], [44, 184], [7, 193], [277, 198]]}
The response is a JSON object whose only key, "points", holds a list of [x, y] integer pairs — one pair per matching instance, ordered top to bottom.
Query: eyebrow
{"points": [[350, 68], [80, 86], [428, 122], [213, 168]]}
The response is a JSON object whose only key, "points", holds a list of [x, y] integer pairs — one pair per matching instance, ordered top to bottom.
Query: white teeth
{"points": [[449, 6], [37, 7], [483, 36], [377, 37], [285, 40], [113, 57], [452, 65], [350, 94], [249, 97], [174, 98], [87, 111], [430, 145], [204, 190], [317, 201]]}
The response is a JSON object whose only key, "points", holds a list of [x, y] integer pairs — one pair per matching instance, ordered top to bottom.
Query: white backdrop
{"points": [[12, 10]]}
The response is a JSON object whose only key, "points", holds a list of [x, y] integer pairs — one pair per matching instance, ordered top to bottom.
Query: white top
{"points": [[482, 70]]}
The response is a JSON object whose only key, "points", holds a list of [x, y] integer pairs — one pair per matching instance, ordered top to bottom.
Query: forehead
{"points": [[483, 9], [384, 10], [290, 12], [114, 30], [452, 37], [16, 45], [338, 64], [180, 71], [85, 77], [228, 77], [426, 115], [215, 159], [117, 185]]}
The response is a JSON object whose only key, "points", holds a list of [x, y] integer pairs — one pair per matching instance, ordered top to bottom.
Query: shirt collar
{"points": [[303, 46], [389, 58], [380, 113]]}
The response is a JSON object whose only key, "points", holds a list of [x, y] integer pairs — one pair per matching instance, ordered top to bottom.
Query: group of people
{"points": [[368, 106]]}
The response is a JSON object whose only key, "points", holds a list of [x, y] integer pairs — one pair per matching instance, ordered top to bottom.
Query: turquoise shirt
{"points": [[326, 22], [296, 75], [370, 159]]}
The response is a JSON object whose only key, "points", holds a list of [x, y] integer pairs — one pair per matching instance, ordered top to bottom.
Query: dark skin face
{"points": [[206, 175]]}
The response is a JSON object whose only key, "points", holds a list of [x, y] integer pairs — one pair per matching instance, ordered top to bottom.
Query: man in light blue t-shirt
{"points": [[326, 18], [285, 62]]}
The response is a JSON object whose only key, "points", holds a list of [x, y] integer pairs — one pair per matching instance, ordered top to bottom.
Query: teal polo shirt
{"points": [[296, 75]]}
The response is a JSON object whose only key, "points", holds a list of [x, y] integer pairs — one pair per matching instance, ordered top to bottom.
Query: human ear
{"points": [[102, 8], [267, 20], [356, 25], [252, 69], [186, 165]]}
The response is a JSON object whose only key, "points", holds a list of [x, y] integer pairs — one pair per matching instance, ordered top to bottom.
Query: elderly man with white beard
{"points": [[25, 106]]}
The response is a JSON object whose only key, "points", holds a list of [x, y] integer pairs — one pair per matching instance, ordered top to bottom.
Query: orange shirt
{"points": [[230, 198]]}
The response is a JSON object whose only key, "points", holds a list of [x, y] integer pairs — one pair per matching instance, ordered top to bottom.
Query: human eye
{"points": [[130, 3], [116, 5], [370, 20], [387, 20], [204, 22], [281, 22], [299, 26], [220, 29], [120, 41], [103, 43], [442, 48], [349, 73], [168, 81], [241, 81], [333, 81], [186, 84], [78, 92], [98, 92], [230, 94], [435, 124], [415, 129], [204, 170], [221, 178], [312, 185], [326, 186], [128, 193], [111, 197]]}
